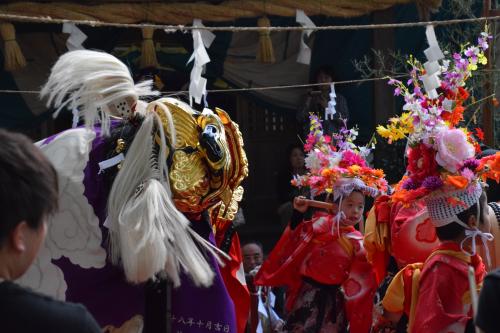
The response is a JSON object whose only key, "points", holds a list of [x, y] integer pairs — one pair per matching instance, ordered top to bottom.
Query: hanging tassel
{"points": [[148, 51], [266, 51], [14, 58]]}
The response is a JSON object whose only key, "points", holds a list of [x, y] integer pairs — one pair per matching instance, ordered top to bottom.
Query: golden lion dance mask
{"points": [[207, 163]]}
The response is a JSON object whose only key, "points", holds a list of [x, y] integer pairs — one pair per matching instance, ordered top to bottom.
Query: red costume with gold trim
{"points": [[313, 251], [436, 296]]}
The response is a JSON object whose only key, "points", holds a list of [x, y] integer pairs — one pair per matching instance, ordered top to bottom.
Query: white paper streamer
{"points": [[301, 18], [76, 37], [202, 39], [432, 66], [433, 70], [330, 109], [110, 162]]}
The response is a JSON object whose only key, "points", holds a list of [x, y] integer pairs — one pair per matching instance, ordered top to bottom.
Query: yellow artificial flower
{"points": [[481, 58], [472, 67], [383, 132], [354, 169]]}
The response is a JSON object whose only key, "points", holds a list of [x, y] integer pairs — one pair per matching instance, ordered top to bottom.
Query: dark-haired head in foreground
{"points": [[28, 195]]}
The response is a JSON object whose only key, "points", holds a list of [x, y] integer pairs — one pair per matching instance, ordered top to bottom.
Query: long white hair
{"points": [[91, 81]]}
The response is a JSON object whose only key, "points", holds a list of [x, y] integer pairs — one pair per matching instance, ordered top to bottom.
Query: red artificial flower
{"points": [[462, 94], [459, 97], [495, 102], [424, 104], [454, 117], [479, 133], [473, 141], [477, 148], [422, 163], [489, 167], [459, 182], [409, 196], [453, 201]]}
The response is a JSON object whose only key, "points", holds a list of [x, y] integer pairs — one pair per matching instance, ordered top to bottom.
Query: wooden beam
{"points": [[383, 98], [488, 121]]}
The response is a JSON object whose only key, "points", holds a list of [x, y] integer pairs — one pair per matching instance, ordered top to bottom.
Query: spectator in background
{"points": [[317, 101], [294, 165], [28, 195], [252, 256], [263, 317]]}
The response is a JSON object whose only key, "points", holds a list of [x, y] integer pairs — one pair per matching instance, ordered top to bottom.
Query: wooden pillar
{"points": [[383, 40], [383, 98], [488, 120]]}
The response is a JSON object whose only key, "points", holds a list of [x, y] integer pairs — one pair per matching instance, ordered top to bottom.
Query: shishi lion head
{"points": [[207, 159]]}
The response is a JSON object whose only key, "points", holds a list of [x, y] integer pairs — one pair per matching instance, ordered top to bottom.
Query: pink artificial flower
{"points": [[310, 142], [452, 149], [351, 158], [468, 174], [315, 180]]}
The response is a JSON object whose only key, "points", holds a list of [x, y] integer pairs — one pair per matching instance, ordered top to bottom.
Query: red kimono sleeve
{"points": [[282, 267], [359, 289], [440, 306]]}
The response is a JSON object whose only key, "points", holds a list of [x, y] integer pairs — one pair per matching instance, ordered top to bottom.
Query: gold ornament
{"points": [[120, 146], [207, 158]]}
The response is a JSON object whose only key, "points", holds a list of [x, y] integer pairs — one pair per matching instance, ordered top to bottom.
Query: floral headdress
{"points": [[336, 166], [442, 169]]}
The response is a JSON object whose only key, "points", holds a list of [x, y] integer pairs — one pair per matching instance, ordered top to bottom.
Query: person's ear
{"points": [[472, 221], [19, 237]]}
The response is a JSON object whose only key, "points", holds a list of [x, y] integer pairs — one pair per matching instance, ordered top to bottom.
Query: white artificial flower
{"points": [[446, 65], [447, 105], [412, 106], [435, 111], [364, 151], [334, 159], [312, 161]]}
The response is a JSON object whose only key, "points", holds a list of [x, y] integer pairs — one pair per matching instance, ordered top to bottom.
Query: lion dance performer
{"points": [[143, 188]]}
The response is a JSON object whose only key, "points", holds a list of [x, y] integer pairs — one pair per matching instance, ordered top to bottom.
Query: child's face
{"points": [[353, 207]]}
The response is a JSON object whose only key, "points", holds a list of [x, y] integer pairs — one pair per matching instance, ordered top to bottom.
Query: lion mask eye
{"points": [[212, 132]]}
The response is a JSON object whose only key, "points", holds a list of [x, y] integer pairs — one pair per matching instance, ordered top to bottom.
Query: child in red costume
{"points": [[443, 172], [396, 235], [320, 256], [435, 295]]}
